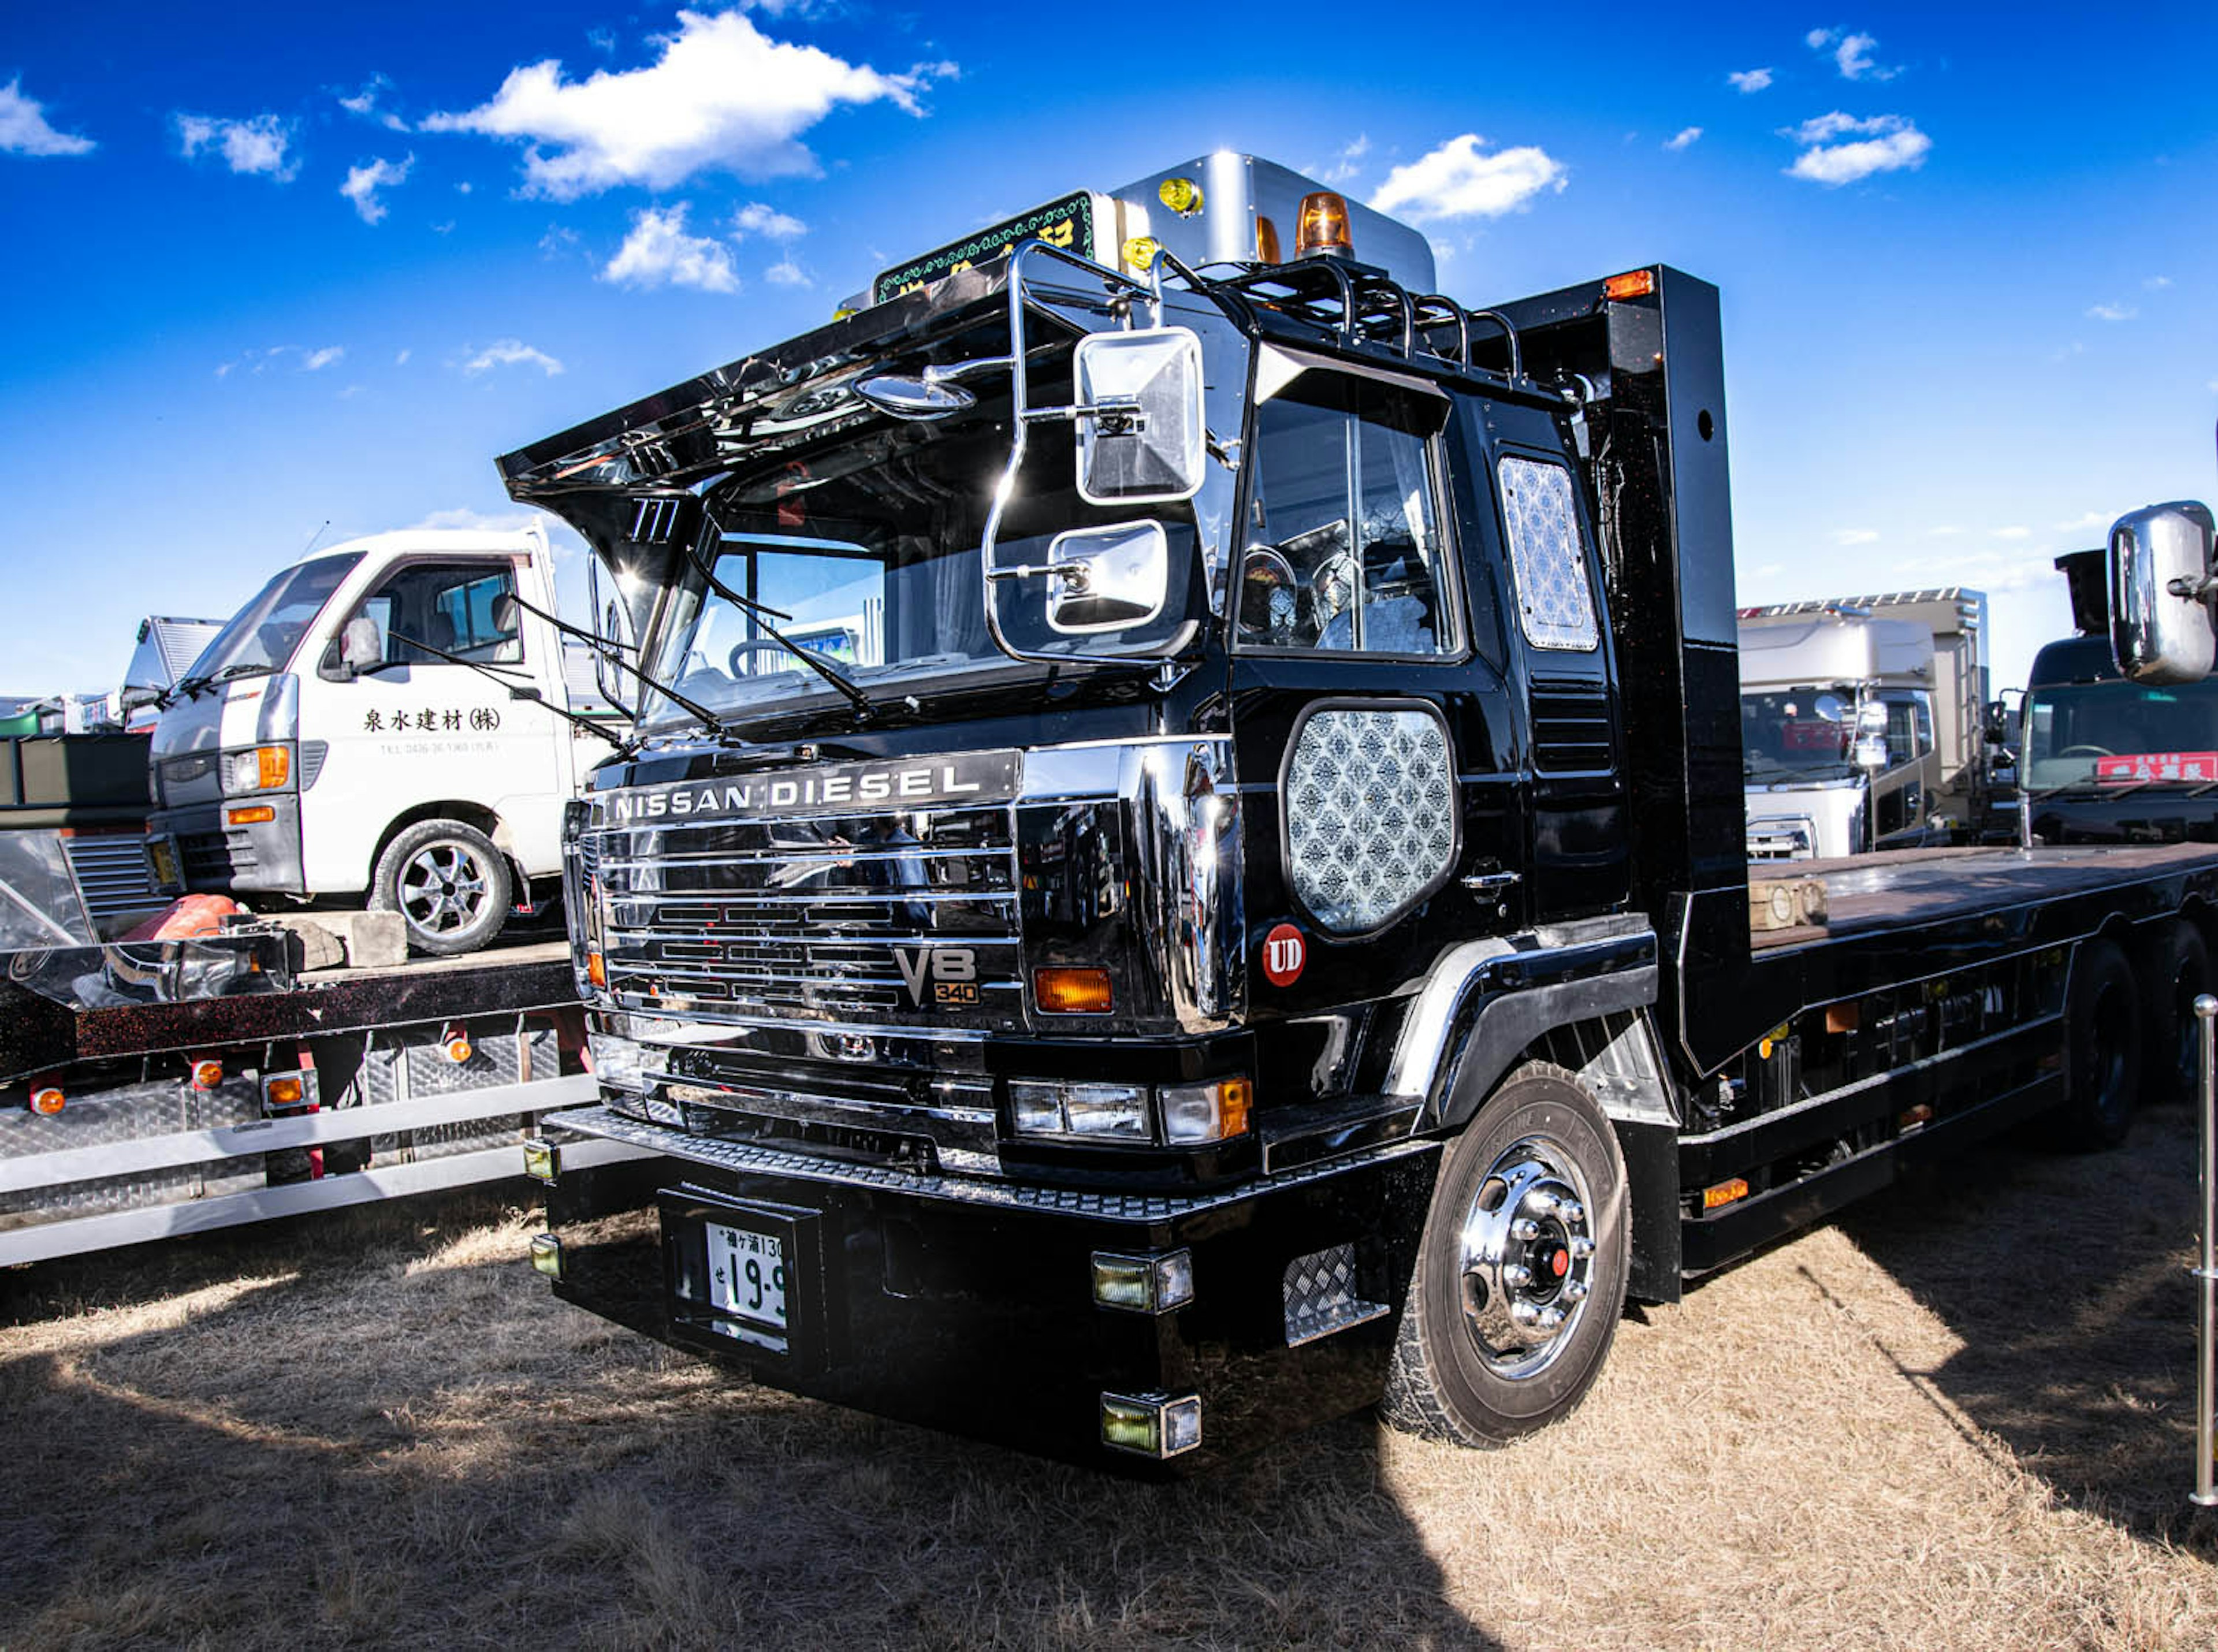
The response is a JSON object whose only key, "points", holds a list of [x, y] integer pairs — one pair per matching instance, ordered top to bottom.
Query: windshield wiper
{"points": [[614, 655], [808, 657], [190, 687], [516, 690]]}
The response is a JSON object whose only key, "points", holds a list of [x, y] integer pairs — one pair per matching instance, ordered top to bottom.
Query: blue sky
{"points": [[269, 268]]}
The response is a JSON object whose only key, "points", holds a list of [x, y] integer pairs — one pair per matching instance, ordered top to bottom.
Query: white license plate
{"points": [[747, 1275]]}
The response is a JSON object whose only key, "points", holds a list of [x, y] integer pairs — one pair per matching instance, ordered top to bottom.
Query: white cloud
{"points": [[1852, 55], [1749, 80], [722, 96], [364, 104], [24, 131], [1686, 138], [1884, 143], [256, 146], [1346, 164], [1456, 181], [362, 183], [756, 219], [660, 253], [786, 273], [2156, 283], [2111, 313], [511, 352], [315, 360], [402, 360], [2212, 386], [2086, 522], [1945, 531], [2012, 533], [1853, 536]]}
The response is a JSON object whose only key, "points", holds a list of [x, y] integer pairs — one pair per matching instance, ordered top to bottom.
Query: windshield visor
{"points": [[868, 546], [262, 636], [2121, 733]]}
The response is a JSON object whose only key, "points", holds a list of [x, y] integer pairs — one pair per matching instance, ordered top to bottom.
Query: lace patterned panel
{"points": [[1554, 601], [1371, 813]]}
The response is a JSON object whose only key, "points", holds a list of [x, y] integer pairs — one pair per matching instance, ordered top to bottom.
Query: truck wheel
{"points": [[447, 882], [2175, 970], [2102, 1052], [1520, 1273]]}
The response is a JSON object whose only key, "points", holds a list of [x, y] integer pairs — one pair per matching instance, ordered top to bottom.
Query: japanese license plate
{"points": [[747, 1275]]}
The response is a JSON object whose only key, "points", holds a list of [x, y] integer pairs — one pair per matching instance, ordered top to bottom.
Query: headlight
{"points": [[262, 768], [617, 1061], [1116, 1112], [1196, 1113]]}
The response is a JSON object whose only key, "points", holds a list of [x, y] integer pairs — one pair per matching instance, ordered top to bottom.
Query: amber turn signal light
{"points": [[1320, 226], [1266, 241], [1633, 283], [254, 816], [597, 970], [1072, 992], [47, 1101], [1725, 1192]]}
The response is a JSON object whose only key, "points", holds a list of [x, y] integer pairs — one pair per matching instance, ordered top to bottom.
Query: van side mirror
{"points": [[1137, 400], [2160, 593], [507, 615]]}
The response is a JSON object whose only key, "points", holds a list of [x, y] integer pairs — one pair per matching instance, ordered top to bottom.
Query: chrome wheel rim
{"points": [[444, 887], [1527, 1254]]}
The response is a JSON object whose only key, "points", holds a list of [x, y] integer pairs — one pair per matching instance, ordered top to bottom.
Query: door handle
{"points": [[1493, 884]]}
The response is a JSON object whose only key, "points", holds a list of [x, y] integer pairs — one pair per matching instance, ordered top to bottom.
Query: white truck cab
{"points": [[324, 748]]}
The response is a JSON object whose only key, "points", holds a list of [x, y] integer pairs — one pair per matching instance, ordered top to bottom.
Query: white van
{"points": [[322, 748]]}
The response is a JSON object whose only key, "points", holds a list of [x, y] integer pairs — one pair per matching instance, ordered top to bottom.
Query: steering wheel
{"points": [[1267, 594], [756, 645], [2086, 751]]}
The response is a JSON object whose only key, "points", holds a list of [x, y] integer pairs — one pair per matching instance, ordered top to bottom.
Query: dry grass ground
{"points": [[1961, 1418]]}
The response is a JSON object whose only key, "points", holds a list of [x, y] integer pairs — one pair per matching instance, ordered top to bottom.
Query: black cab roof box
{"points": [[2089, 575]]}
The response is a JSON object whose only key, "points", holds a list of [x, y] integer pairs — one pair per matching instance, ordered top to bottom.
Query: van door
{"points": [[415, 729]]}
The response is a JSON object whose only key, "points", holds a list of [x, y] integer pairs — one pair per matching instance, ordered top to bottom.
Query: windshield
{"points": [[867, 548], [262, 636], [2119, 732], [1807, 734]]}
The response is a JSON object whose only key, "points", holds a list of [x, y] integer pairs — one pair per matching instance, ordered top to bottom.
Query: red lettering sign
{"points": [[2158, 765], [1285, 952]]}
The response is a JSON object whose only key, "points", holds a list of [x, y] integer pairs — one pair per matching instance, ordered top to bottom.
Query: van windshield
{"points": [[262, 636]]}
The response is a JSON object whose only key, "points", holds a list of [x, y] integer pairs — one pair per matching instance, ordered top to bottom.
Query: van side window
{"points": [[1344, 547], [1555, 603], [447, 605]]}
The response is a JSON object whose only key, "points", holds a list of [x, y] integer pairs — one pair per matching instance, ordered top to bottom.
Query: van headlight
{"points": [[259, 769]]}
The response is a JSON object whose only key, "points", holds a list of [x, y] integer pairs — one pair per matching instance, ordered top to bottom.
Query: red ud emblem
{"points": [[1284, 954]]}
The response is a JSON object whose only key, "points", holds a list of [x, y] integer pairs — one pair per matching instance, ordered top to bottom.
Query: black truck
{"points": [[1248, 917]]}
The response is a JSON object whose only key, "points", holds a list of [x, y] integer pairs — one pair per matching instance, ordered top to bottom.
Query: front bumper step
{"points": [[755, 1159]]}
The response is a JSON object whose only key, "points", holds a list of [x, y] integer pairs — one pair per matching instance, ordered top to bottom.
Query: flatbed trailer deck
{"points": [[340, 1087]]}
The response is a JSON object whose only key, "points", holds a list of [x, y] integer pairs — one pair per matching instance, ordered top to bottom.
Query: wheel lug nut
{"points": [[1538, 1202], [1571, 1211], [1525, 1229], [1582, 1247], [1516, 1274], [1575, 1291], [1524, 1313], [1552, 1320]]}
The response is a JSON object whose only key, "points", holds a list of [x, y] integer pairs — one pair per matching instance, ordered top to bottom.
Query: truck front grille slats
{"points": [[895, 919]]}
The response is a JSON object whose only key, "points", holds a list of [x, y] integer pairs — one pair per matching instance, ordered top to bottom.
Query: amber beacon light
{"points": [[1320, 226]]}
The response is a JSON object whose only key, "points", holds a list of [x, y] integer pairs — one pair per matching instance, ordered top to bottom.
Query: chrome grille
{"points": [[115, 875], [872, 919]]}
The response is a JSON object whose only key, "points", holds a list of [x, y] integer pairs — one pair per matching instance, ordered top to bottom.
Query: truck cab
{"points": [[374, 726]]}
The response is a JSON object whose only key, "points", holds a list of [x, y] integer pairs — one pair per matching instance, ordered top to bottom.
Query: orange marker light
{"points": [[1320, 226], [1266, 241], [1633, 283], [254, 816], [597, 970], [1072, 992], [455, 1043], [207, 1074], [281, 1092], [47, 1101], [1725, 1192]]}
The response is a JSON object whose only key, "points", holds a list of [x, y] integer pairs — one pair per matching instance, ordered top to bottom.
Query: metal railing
{"points": [[2206, 1262]]}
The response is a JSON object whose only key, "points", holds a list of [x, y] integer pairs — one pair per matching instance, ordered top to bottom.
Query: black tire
{"points": [[448, 882], [2175, 970], [2102, 1052], [1445, 1381]]}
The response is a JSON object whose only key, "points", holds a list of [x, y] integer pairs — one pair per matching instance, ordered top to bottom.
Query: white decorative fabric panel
{"points": [[1554, 601], [1371, 814]]}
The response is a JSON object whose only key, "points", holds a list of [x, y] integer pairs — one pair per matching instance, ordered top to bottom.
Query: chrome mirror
{"points": [[913, 395], [1138, 396], [1107, 579], [2161, 587], [361, 645], [1871, 718], [1871, 752]]}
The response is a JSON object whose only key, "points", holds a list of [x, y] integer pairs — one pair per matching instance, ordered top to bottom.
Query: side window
{"points": [[1345, 549], [1555, 603], [424, 610]]}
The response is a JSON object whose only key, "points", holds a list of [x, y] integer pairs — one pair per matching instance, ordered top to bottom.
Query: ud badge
{"points": [[1284, 954]]}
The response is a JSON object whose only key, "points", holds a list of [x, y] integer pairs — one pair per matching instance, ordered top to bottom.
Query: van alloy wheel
{"points": [[444, 887]]}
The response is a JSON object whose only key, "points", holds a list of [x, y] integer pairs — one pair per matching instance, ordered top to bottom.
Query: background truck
{"points": [[1906, 667], [377, 725], [2106, 759], [1265, 926]]}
